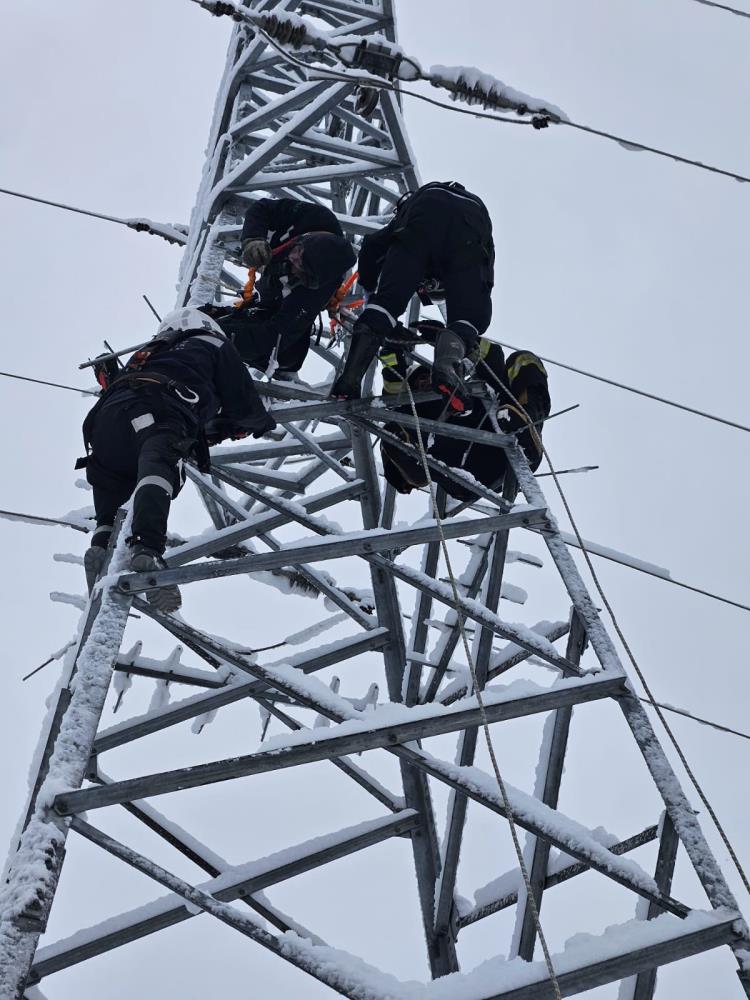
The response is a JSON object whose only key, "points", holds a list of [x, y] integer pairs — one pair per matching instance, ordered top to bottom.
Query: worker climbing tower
{"points": [[421, 609]]}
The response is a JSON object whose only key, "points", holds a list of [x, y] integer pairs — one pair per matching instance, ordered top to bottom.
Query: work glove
{"points": [[256, 252], [429, 329]]}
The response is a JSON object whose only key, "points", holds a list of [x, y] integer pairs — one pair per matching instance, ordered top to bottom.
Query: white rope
{"points": [[482, 711]]}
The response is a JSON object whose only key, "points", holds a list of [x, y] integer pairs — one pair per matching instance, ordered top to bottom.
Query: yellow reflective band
{"points": [[388, 360], [521, 362], [391, 387]]}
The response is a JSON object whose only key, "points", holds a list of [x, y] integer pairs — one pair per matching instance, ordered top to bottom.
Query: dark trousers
{"points": [[446, 237], [286, 321], [139, 441], [484, 462]]}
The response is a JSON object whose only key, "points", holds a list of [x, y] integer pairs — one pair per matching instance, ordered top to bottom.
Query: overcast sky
{"points": [[610, 260]]}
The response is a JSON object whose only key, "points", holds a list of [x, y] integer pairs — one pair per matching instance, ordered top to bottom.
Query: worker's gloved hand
{"points": [[256, 253], [429, 329], [261, 425]]}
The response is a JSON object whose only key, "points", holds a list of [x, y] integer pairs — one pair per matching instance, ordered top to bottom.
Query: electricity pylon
{"points": [[277, 132]]}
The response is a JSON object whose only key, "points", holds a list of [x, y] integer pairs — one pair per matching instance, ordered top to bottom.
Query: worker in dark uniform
{"points": [[440, 236], [304, 256], [523, 374], [150, 419]]}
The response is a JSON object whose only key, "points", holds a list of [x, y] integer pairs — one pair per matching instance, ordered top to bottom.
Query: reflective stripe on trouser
{"points": [[159, 465]]}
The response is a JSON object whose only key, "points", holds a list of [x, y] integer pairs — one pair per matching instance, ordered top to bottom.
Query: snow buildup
{"points": [[68, 557], [74, 600], [314, 630], [121, 684], [160, 696], [527, 808], [33, 867]]}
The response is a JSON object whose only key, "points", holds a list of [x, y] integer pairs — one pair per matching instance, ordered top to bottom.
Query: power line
{"points": [[723, 6], [532, 111], [642, 147], [67, 208], [169, 233], [55, 385], [638, 392], [697, 718]]}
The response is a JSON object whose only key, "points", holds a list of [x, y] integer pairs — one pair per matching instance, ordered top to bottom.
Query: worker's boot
{"points": [[362, 350], [447, 372], [93, 560], [164, 599]]}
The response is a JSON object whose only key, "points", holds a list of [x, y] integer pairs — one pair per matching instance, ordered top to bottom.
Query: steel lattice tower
{"points": [[276, 132]]}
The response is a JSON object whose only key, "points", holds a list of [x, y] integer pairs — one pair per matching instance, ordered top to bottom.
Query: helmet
{"points": [[186, 319]]}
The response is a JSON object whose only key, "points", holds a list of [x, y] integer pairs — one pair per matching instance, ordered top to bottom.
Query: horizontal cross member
{"points": [[357, 543], [190, 708], [324, 747], [557, 878], [227, 887], [628, 962]]}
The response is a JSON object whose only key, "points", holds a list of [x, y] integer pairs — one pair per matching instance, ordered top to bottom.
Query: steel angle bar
{"points": [[295, 98], [246, 174], [444, 428], [281, 449], [437, 466], [346, 474], [263, 477], [252, 525], [357, 543], [335, 593], [423, 605], [470, 609], [474, 611], [448, 644], [505, 661], [170, 676], [191, 708], [329, 744], [553, 763], [344, 764], [457, 804], [680, 811], [565, 842], [190, 849], [35, 867], [563, 875], [227, 886], [441, 952], [301, 957], [628, 962], [645, 983]]}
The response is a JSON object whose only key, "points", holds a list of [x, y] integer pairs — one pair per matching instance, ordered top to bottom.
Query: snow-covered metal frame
{"points": [[277, 132]]}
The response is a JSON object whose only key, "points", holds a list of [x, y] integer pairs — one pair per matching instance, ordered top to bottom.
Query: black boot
{"points": [[364, 346], [447, 375], [164, 599]]}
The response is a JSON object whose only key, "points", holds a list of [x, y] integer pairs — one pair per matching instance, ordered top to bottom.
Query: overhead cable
{"points": [[726, 7], [378, 57], [169, 233], [638, 392]]}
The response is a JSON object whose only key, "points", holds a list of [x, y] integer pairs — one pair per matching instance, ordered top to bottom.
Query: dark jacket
{"points": [[280, 219], [470, 224], [210, 366]]}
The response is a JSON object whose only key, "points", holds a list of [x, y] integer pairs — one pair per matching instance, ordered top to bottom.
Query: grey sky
{"points": [[612, 260]]}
